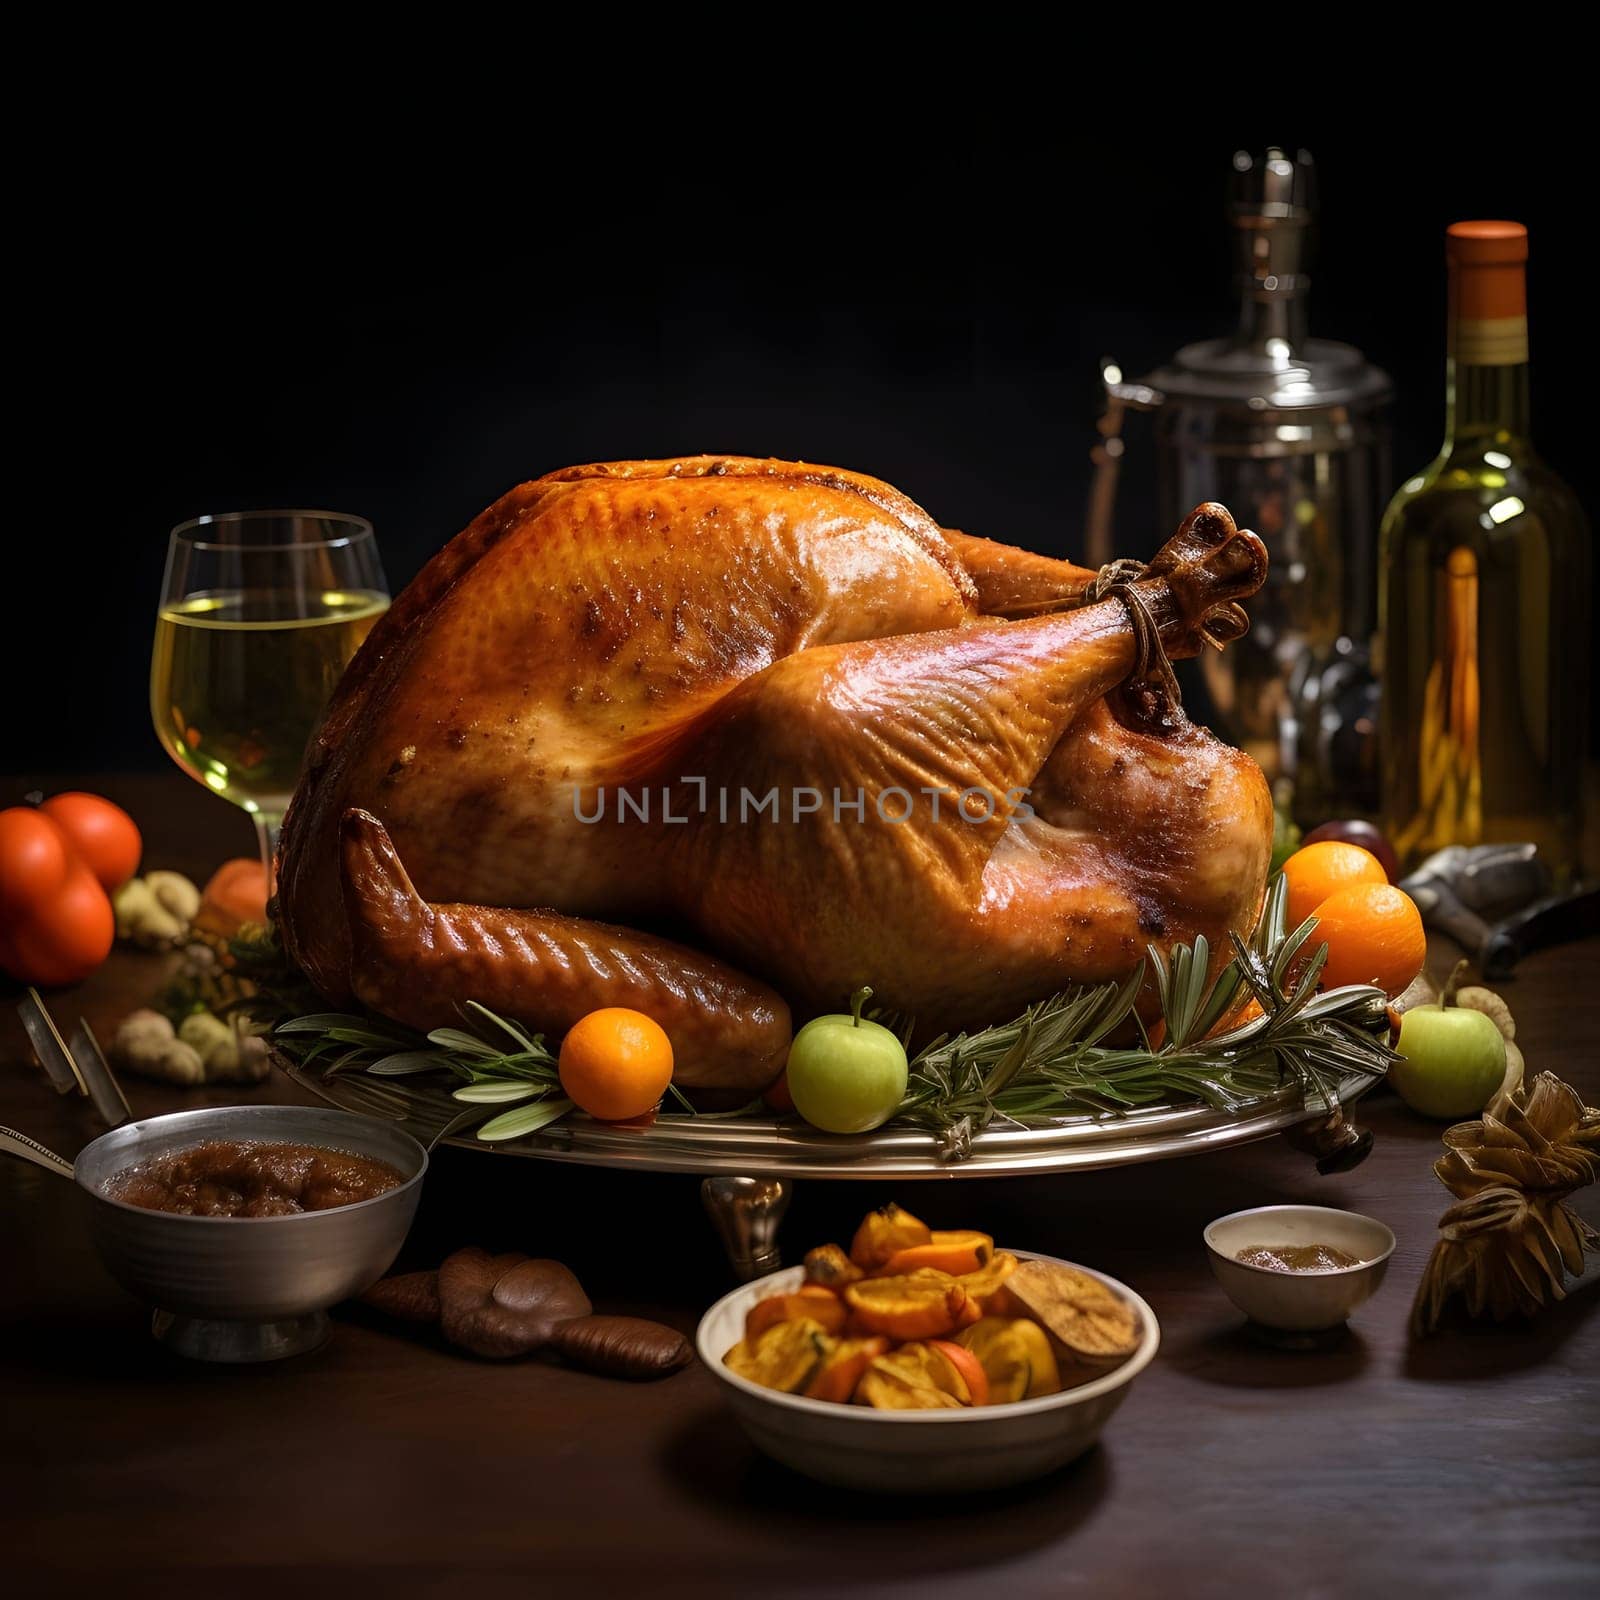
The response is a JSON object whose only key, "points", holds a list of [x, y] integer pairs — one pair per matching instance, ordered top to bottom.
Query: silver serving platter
{"points": [[787, 1149]]}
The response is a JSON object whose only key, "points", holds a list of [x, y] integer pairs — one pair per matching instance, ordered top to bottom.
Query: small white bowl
{"points": [[1299, 1302], [918, 1452]]}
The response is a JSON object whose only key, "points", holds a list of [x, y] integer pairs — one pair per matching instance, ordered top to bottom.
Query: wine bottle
{"points": [[1484, 589]]}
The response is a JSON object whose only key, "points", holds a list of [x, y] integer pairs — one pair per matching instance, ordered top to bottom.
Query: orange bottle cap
{"points": [[1486, 244], [1488, 272]]}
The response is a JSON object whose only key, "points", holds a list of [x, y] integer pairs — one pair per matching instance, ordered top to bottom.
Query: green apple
{"points": [[1453, 1061], [847, 1075]]}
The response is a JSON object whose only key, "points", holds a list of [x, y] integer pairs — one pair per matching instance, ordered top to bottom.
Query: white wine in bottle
{"points": [[1484, 592]]}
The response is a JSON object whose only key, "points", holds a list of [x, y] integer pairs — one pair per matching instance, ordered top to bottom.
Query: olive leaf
{"points": [[493, 1093], [524, 1120]]}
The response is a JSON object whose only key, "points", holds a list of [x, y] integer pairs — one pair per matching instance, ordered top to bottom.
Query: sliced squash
{"points": [[885, 1232], [954, 1251], [830, 1268], [983, 1286], [812, 1300], [922, 1305], [1015, 1356], [786, 1357], [842, 1368], [891, 1386]]}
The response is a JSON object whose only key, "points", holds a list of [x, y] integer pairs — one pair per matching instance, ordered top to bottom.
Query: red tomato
{"points": [[103, 834], [35, 859], [66, 938], [776, 1096]]}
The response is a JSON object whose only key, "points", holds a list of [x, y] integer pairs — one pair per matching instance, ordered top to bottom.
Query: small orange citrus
{"points": [[1319, 869], [1374, 935], [616, 1063]]}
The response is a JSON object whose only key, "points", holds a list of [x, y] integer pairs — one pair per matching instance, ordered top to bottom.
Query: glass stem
{"points": [[267, 827]]}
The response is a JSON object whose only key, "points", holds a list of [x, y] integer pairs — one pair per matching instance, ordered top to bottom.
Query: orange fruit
{"points": [[1320, 869], [1374, 935], [615, 1063], [957, 1251], [921, 1305]]}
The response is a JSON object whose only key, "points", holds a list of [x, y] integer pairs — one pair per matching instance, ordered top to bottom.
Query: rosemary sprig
{"points": [[1053, 1059], [495, 1062]]}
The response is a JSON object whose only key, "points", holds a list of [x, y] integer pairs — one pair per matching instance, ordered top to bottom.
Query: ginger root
{"points": [[155, 912], [147, 1044]]}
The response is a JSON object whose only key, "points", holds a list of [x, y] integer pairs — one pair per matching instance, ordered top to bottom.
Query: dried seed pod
{"points": [[1476, 998], [1505, 1248], [407, 1297], [503, 1306], [622, 1347]]}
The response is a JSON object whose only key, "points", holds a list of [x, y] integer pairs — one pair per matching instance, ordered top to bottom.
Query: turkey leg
{"points": [[1013, 582], [978, 706], [970, 714], [416, 962]]}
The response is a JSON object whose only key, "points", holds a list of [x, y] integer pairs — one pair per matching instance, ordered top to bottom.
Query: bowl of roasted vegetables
{"points": [[927, 1361]]}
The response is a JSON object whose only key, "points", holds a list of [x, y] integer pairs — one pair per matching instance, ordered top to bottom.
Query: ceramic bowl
{"points": [[1299, 1302], [918, 1452]]}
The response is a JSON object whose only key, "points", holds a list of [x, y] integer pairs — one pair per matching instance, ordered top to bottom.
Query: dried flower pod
{"points": [[1505, 1248], [407, 1297], [504, 1306], [622, 1347]]}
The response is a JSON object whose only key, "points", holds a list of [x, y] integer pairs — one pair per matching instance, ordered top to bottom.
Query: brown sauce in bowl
{"points": [[251, 1178], [1297, 1257]]}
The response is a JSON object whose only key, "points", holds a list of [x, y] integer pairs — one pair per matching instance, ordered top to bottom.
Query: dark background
{"points": [[302, 315]]}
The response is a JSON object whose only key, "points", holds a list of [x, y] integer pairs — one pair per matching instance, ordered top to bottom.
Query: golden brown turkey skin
{"points": [[721, 625], [557, 644], [1137, 837], [415, 962]]}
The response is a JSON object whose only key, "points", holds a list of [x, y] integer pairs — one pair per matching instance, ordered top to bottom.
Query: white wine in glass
{"points": [[260, 613]]}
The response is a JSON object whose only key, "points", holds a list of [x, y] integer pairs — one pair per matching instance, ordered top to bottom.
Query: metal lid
{"points": [[1269, 363], [1320, 374]]}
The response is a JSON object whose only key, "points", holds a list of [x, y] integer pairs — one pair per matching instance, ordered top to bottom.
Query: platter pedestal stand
{"points": [[746, 1209], [746, 1213]]}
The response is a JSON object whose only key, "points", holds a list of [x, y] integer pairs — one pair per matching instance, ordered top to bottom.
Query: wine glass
{"points": [[260, 613]]}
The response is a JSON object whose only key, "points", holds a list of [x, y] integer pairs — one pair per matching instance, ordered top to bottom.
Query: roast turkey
{"points": [[723, 739]]}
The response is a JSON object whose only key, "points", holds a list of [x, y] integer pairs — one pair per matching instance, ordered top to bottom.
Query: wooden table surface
{"points": [[1465, 1465]]}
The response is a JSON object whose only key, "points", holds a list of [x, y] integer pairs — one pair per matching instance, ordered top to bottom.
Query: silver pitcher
{"points": [[1291, 434]]}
